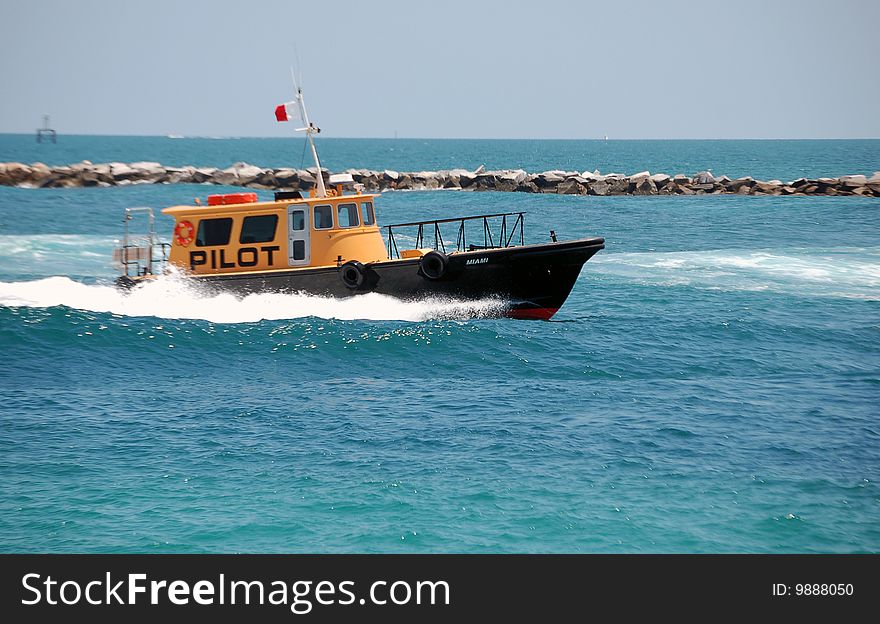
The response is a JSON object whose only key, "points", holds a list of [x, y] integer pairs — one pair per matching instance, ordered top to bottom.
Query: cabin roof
{"points": [[262, 206]]}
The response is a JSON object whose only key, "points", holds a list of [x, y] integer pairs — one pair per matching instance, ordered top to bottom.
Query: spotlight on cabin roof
{"points": [[341, 178]]}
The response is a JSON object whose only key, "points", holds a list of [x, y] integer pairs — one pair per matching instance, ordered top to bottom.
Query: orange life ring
{"points": [[184, 233]]}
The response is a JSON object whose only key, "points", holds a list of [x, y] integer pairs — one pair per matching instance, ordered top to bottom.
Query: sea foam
{"points": [[852, 273], [173, 297]]}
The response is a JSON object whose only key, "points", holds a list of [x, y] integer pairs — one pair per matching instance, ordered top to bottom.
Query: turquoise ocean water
{"points": [[711, 385]]}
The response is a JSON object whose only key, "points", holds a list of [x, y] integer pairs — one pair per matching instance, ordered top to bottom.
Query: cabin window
{"points": [[367, 212], [347, 215], [323, 217], [298, 220], [258, 229], [214, 232], [299, 250]]}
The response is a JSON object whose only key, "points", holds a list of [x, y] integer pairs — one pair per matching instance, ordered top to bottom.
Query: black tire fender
{"points": [[433, 264], [352, 274]]}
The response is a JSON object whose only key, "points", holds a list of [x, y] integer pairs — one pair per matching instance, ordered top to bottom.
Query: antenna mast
{"points": [[309, 129]]}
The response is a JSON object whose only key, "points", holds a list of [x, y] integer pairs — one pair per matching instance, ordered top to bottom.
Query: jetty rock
{"points": [[120, 171], [39, 172], [147, 172], [14, 173], [239, 174], [97, 175], [516, 175], [591, 176], [704, 177], [286, 178], [549, 178], [660, 179], [853, 181], [574, 185], [643, 186], [741, 186], [600, 187]]}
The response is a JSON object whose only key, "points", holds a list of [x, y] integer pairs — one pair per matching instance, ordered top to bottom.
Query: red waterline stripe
{"points": [[540, 314]]}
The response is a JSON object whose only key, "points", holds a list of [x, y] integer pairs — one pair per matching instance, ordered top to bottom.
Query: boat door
{"points": [[298, 247]]}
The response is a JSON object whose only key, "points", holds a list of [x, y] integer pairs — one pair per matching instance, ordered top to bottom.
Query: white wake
{"points": [[173, 297]]}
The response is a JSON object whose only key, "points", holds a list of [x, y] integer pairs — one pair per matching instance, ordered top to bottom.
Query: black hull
{"points": [[535, 280]]}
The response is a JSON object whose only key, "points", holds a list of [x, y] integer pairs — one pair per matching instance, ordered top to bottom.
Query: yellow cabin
{"points": [[276, 235]]}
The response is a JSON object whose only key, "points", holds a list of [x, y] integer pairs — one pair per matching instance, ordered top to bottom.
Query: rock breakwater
{"points": [[86, 174]]}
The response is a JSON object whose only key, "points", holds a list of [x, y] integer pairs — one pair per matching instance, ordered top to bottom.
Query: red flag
{"points": [[281, 112]]}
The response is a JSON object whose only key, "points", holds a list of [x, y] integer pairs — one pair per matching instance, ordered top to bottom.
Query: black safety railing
{"points": [[505, 234]]}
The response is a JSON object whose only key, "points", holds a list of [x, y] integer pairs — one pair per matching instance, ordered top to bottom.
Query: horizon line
{"points": [[425, 138]]}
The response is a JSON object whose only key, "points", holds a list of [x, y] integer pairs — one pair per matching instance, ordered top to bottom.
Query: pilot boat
{"points": [[327, 241]]}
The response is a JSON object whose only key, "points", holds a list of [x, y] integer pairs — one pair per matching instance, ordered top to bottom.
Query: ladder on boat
{"points": [[141, 255]]}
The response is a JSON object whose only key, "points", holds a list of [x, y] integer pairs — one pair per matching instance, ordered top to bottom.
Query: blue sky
{"points": [[770, 69]]}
